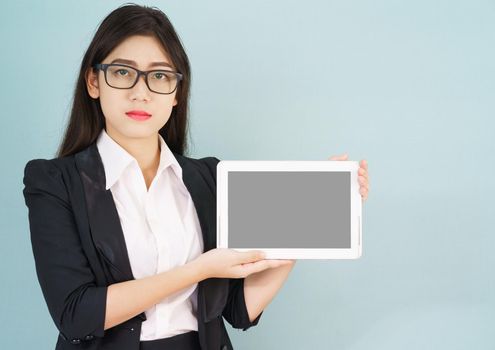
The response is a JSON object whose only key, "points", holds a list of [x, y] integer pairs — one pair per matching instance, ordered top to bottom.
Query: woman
{"points": [[122, 223]]}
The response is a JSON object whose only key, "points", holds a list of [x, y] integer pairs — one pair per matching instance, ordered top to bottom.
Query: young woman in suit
{"points": [[123, 223]]}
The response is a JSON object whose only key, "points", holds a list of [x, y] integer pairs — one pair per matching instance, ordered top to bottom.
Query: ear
{"points": [[92, 83], [175, 102]]}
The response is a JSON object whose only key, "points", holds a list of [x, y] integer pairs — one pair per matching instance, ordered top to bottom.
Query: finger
{"points": [[364, 164], [362, 171], [364, 175], [363, 181], [364, 192], [251, 256], [278, 262], [268, 263], [262, 265], [250, 268]]}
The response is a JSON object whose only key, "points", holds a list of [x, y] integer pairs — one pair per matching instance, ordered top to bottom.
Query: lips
{"points": [[138, 115]]}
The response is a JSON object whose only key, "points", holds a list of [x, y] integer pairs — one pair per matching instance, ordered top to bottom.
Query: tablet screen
{"points": [[289, 209]]}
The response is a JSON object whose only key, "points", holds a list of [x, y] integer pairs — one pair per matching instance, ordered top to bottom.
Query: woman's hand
{"points": [[363, 177], [229, 263]]}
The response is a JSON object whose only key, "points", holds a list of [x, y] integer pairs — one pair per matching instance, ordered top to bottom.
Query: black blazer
{"points": [[79, 250]]}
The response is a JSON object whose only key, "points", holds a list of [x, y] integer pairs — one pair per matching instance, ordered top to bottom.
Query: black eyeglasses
{"points": [[121, 76]]}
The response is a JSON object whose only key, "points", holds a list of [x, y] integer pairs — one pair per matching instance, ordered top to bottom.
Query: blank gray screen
{"points": [[289, 209]]}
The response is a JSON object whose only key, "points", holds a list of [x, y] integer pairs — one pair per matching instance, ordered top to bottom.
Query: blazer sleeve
{"points": [[76, 305], [235, 311]]}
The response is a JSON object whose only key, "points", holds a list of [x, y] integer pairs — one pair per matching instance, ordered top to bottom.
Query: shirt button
{"points": [[89, 337], [75, 341]]}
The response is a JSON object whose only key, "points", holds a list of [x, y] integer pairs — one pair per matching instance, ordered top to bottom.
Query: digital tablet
{"points": [[290, 209]]}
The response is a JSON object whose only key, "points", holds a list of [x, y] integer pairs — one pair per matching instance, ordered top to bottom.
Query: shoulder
{"points": [[208, 161], [211, 164], [203, 165], [52, 167], [47, 175]]}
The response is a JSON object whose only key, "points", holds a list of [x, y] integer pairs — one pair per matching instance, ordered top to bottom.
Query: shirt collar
{"points": [[116, 159]]}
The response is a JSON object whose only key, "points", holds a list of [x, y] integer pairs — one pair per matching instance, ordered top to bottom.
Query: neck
{"points": [[145, 150]]}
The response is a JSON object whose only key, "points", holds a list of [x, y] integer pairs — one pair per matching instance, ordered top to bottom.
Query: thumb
{"points": [[341, 157]]}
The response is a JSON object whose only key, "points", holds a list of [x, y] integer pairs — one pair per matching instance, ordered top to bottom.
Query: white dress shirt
{"points": [[161, 230]]}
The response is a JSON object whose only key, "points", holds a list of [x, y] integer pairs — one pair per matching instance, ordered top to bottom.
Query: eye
{"points": [[122, 72], [160, 76]]}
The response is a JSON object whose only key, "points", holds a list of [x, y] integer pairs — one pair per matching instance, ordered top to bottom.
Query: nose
{"points": [[140, 91]]}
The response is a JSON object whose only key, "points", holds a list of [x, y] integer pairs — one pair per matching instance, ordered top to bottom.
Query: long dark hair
{"points": [[86, 117]]}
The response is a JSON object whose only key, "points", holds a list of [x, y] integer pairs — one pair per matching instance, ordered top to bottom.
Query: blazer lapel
{"points": [[200, 193], [106, 230], [212, 292]]}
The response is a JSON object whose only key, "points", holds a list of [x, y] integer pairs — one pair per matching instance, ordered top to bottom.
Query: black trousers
{"points": [[185, 341]]}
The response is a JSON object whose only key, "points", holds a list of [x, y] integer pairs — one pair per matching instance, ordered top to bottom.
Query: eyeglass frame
{"points": [[104, 66]]}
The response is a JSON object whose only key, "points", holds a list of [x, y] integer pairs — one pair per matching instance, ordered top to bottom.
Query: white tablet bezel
{"points": [[354, 252]]}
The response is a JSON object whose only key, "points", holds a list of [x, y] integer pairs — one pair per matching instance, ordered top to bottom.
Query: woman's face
{"points": [[115, 103]]}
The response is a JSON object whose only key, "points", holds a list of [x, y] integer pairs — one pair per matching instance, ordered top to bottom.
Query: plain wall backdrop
{"points": [[407, 85]]}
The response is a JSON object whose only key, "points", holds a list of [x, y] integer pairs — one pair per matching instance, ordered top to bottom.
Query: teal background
{"points": [[407, 85]]}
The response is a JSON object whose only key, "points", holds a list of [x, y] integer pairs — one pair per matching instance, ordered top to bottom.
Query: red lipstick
{"points": [[138, 115]]}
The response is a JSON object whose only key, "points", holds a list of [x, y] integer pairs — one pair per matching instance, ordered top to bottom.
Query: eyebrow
{"points": [[152, 64]]}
